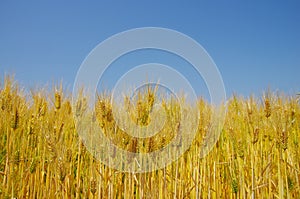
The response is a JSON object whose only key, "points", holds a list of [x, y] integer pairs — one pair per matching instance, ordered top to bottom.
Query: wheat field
{"points": [[41, 155]]}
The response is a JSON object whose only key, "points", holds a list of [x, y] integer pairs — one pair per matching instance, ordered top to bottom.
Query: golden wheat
{"points": [[42, 156]]}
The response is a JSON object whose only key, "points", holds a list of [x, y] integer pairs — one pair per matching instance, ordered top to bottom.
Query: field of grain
{"points": [[42, 156]]}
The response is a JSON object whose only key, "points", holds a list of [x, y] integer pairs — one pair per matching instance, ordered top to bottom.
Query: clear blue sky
{"points": [[255, 44]]}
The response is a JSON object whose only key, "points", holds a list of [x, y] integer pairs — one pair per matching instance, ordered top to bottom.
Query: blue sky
{"points": [[255, 44]]}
